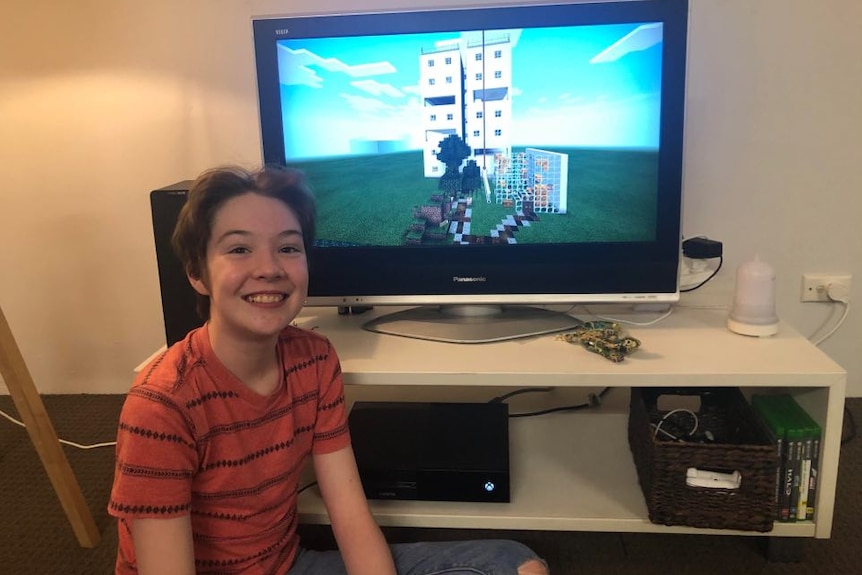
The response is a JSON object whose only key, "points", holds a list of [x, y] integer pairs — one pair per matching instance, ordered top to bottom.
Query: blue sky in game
{"points": [[588, 86]]}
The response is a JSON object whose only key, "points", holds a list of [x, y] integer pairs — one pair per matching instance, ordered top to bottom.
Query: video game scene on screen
{"points": [[482, 137]]}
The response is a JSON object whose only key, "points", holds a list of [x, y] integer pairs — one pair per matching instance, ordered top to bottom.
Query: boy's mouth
{"points": [[265, 297]]}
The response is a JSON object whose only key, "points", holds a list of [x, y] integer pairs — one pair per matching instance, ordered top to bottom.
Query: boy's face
{"points": [[256, 274]]}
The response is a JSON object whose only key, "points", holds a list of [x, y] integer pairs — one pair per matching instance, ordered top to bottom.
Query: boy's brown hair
{"points": [[216, 186]]}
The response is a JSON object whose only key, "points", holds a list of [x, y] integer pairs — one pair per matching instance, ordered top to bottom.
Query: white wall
{"points": [[102, 101]]}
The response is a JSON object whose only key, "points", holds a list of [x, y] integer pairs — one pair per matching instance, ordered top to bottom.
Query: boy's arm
{"points": [[359, 538], [164, 546]]}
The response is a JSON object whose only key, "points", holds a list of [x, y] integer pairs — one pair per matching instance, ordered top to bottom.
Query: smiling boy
{"points": [[215, 431]]}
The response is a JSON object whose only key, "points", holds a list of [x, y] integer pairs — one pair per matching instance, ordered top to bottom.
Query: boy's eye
{"points": [[290, 249]]}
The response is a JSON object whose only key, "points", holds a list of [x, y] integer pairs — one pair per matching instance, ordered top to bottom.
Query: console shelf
{"points": [[573, 471]]}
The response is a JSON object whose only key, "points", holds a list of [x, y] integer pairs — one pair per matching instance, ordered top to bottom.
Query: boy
{"points": [[215, 431]]}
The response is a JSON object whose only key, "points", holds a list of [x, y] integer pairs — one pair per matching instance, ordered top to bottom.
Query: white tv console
{"points": [[573, 471]]}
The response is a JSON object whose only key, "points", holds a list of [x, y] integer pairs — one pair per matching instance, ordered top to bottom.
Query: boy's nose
{"points": [[269, 266]]}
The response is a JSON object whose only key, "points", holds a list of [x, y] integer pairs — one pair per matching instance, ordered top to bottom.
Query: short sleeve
{"points": [[330, 430], [156, 458]]}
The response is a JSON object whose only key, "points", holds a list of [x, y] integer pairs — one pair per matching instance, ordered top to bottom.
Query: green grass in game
{"points": [[369, 200]]}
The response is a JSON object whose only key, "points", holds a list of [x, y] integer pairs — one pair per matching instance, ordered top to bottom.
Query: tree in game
{"points": [[452, 152], [471, 178]]}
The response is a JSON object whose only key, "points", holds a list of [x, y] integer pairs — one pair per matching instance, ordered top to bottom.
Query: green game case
{"points": [[797, 437]]}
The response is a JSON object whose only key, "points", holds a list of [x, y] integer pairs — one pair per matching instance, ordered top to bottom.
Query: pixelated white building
{"points": [[466, 88]]}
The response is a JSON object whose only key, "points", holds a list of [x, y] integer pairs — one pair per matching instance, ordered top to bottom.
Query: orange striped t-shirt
{"points": [[195, 440]]}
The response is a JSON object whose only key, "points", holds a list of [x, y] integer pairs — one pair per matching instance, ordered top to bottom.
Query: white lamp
{"points": [[753, 310]]}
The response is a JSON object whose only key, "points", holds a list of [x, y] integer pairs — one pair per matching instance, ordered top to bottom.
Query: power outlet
{"points": [[815, 287]]}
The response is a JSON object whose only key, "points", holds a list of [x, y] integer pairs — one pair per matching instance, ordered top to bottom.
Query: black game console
{"points": [[432, 451]]}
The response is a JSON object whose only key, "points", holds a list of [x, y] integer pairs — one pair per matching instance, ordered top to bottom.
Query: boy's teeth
{"points": [[265, 298]]}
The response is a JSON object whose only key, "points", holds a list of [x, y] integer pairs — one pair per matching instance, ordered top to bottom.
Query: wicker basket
{"points": [[736, 441]]}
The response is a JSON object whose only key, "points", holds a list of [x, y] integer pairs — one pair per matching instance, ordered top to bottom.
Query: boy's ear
{"points": [[199, 285]]}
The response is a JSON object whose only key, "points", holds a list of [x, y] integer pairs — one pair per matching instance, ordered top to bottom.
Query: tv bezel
{"points": [[545, 273]]}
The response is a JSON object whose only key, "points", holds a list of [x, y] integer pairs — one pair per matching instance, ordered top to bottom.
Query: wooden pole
{"points": [[35, 418]]}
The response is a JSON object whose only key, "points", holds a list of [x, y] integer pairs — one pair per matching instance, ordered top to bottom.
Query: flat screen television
{"points": [[480, 164]]}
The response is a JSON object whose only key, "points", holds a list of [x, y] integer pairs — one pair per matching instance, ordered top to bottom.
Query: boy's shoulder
{"points": [[299, 341], [169, 369]]}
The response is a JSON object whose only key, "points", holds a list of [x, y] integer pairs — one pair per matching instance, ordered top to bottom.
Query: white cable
{"points": [[837, 293], [716, 306], [630, 322], [832, 331], [671, 412], [63, 441]]}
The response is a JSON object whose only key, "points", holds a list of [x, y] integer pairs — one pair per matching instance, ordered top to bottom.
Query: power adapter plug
{"points": [[701, 248], [694, 269]]}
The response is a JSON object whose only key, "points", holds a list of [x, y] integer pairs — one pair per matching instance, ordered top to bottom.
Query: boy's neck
{"points": [[254, 363]]}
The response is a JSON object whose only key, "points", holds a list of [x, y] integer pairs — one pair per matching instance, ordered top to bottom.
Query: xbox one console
{"points": [[432, 451]]}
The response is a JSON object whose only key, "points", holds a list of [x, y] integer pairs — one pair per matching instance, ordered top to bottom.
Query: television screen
{"points": [[512, 155]]}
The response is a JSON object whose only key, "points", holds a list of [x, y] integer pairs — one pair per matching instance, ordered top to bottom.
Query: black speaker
{"points": [[178, 296]]}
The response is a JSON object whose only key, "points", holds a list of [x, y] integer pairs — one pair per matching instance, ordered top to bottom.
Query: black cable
{"points": [[712, 275], [505, 396], [594, 401], [551, 410], [304, 487]]}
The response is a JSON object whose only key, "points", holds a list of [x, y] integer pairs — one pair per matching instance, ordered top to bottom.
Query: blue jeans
{"points": [[480, 557]]}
